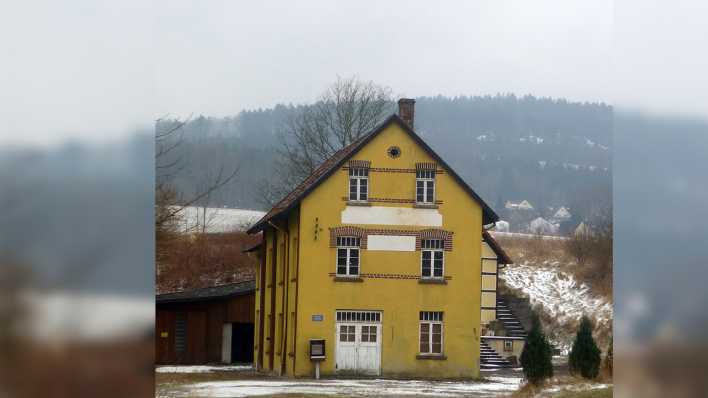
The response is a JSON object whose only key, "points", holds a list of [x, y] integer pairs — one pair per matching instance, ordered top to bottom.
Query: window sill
{"points": [[355, 203], [425, 206], [348, 279], [432, 281], [435, 357]]}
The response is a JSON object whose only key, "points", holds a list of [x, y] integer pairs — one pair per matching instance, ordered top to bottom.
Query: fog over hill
{"points": [[550, 152], [80, 216]]}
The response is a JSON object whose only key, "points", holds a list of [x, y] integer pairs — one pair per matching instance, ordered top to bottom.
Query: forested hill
{"points": [[550, 152]]}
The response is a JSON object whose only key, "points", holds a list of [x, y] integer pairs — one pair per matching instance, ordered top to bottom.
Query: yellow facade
{"points": [[298, 293]]}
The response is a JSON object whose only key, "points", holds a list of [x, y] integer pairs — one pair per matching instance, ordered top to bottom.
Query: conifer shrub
{"points": [[585, 356], [536, 357], [608, 359]]}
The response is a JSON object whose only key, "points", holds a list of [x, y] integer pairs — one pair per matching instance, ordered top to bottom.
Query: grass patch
{"points": [[566, 387], [596, 393]]}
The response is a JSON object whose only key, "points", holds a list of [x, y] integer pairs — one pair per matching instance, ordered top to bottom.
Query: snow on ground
{"points": [[217, 219], [561, 296], [72, 315], [201, 368], [492, 387], [577, 387]]}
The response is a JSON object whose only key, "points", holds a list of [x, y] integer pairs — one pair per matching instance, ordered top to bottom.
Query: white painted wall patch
{"points": [[383, 215], [397, 243]]}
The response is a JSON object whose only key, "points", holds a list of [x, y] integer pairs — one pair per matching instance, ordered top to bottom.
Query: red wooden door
{"points": [[164, 337], [196, 337]]}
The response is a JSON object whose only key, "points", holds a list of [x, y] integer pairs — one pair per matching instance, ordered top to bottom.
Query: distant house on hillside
{"points": [[524, 205], [562, 214], [501, 226], [542, 226], [582, 230]]}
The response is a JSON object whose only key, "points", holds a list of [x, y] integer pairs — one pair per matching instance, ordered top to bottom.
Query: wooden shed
{"points": [[207, 325]]}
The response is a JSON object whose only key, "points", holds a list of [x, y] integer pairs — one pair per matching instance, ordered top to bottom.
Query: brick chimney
{"points": [[406, 110]]}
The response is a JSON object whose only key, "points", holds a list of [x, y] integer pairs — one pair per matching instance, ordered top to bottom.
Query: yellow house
{"points": [[376, 253]]}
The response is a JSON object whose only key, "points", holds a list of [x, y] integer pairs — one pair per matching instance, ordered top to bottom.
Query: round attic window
{"points": [[394, 152]]}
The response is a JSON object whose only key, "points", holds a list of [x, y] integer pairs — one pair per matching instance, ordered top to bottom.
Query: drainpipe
{"points": [[297, 289], [286, 305], [284, 333]]}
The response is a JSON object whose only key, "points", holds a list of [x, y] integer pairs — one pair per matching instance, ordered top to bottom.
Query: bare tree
{"points": [[346, 111], [168, 163], [169, 203], [592, 250]]}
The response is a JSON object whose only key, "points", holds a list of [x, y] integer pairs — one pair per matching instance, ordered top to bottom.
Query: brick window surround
{"points": [[363, 233]]}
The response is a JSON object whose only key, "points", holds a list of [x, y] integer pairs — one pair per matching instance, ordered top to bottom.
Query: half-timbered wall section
{"points": [[490, 268]]}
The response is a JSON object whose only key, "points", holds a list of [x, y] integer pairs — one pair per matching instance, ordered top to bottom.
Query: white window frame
{"points": [[356, 176], [426, 180], [349, 244], [434, 246], [349, 316], [431, 318], [508, 345]]}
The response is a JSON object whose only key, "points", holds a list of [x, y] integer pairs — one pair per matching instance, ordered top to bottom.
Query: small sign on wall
{"points": [[317, 318], [164, 335]]}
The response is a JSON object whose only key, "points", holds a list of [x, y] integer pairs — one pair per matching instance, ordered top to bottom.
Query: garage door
{"points": [[358, 337]]}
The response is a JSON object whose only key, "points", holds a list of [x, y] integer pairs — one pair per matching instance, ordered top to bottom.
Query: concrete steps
{"points": [[511, 323], [489, 359]]}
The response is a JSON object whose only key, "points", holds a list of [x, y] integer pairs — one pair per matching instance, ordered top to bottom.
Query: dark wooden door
{"points": [[164, 337], [181, 337], [196, 337], [242, 342]]}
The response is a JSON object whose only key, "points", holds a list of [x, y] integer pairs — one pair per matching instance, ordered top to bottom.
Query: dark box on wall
{"points": [[317, 349]]}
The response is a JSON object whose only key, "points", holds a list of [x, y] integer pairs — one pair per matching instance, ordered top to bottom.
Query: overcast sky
{"points": [[87, 69]]}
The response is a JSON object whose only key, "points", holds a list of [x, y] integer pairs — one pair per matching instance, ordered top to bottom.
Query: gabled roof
{"points": [[336, 161], [562, 213], [502, 257], [208, 293]]}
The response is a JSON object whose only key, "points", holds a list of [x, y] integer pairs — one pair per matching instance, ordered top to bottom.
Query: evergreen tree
{"points": [[585, 356], [536, 357], [608, 360]]}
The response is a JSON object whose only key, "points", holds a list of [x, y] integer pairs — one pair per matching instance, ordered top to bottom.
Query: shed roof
{"points": [[330, 165], [502, 257], [208, 293]]}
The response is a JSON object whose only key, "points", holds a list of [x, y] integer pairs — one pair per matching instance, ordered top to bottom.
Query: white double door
{"points": [[358, 348]]}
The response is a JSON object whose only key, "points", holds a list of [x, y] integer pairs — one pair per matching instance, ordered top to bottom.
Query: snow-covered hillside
{"points": [[217, 219], [562, 298]]}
